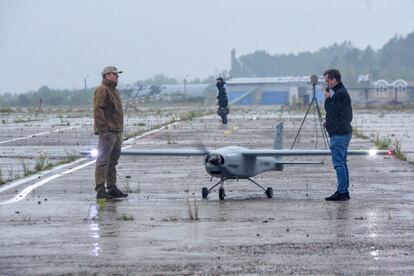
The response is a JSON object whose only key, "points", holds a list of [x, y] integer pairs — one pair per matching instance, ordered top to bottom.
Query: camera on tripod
{"points": [[314, 79]]}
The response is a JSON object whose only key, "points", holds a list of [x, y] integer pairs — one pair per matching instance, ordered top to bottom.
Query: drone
{"points": [[235, 162]]}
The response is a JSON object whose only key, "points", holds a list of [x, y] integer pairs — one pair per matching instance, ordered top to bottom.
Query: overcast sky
{"points": [[59, 43]]}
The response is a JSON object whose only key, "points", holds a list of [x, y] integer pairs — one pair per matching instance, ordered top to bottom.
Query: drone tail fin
{"points": [[278, 144]]}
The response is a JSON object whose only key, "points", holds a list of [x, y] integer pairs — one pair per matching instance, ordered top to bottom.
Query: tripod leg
{"points": [[301, 125], [325, 135]]}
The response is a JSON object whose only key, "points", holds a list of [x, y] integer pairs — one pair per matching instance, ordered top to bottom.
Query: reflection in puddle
{"points": [[94, 230], [374, 253]]}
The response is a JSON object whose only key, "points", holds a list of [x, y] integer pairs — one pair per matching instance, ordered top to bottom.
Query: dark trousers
{"points": [[222, 112], [109, 151]]}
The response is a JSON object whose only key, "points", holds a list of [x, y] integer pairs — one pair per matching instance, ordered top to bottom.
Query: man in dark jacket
{"points": [[223, 102], [108, 124], [338, 124]]}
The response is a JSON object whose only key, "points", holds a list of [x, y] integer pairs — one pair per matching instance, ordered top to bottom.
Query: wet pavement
{"points": [[58, 227]]}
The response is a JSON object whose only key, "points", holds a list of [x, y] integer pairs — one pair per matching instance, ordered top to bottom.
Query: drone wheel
{"points": [[204, 192], [269, 192], [222, 194]]}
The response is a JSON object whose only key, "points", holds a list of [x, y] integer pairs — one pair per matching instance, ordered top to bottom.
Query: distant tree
{"points": [[394, 60], [236, 69], [159, 79]]}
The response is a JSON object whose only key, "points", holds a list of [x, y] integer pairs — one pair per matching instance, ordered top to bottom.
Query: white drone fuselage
{"points": [[229, 162]]}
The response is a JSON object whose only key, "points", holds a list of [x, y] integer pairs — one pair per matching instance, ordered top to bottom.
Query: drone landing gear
{"points": [[205, 191], [268, 191], [222, 194]]}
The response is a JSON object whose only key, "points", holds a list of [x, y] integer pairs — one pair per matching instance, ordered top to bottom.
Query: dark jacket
{"points": [[222, 96], [107, 108], [338, 112]]}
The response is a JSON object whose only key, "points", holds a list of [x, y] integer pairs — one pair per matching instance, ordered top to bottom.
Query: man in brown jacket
{"points": [[108, 124]]}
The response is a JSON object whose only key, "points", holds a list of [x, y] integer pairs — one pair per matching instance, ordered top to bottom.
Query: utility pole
{"points": [[85, 82], [185, 87]]}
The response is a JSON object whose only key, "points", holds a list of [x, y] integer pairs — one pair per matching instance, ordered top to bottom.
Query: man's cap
{"points": [[110, 69], [220, 79]]}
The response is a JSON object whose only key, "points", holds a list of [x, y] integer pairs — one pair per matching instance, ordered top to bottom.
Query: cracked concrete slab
{"points": [[60, 229]]}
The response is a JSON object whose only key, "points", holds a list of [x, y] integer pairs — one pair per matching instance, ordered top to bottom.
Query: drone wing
{"points": [[167, 152], [287, 152]]}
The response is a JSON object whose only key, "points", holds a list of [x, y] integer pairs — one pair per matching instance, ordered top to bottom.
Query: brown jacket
{"points": [[107, 108]]}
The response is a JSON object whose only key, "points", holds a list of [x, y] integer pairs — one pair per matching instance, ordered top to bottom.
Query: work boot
{"points": [[115, 192], [102, 194], [338, 197]]}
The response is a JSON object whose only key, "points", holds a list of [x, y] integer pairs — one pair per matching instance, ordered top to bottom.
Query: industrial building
{"points": [[272, 91]]}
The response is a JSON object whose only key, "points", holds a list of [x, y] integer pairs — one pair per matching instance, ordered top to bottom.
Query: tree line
{"points": [[393, 61]]}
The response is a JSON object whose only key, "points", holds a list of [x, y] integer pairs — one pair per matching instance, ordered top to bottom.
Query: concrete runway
{"points": [[58, 228]]}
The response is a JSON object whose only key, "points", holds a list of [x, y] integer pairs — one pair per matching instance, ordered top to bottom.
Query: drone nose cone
{"points": [[214, 159]]}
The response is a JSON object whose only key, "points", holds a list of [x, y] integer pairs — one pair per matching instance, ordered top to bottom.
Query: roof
{"points": [[288, 79]]}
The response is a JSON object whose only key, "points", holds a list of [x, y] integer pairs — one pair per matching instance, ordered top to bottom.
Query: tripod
{"points": [[316, 109]]}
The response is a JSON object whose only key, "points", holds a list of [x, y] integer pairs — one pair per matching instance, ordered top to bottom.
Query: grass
{"points": [[5, 110], [190, 115], [19, 120], [135, 133], [359, 133], [170, 139], [382, 143], [385, 143], [397, 150], [41, 164], [25, 167], [2, 180], [101, 203], [125, 217]]}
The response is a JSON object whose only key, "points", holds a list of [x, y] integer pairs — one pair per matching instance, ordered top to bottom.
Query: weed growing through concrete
{"points": [[357, 132], [170, 139], [382, 143], [397, 151], [40, 163], [25, 167], [2, 181], [101, 203], [192, 209], [125, 217]]}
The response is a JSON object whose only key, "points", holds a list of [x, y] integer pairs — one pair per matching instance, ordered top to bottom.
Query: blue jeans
{"points": [[339, 151]]}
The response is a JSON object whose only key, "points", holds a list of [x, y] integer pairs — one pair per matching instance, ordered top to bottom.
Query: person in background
{"points": [[223, 102]]}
